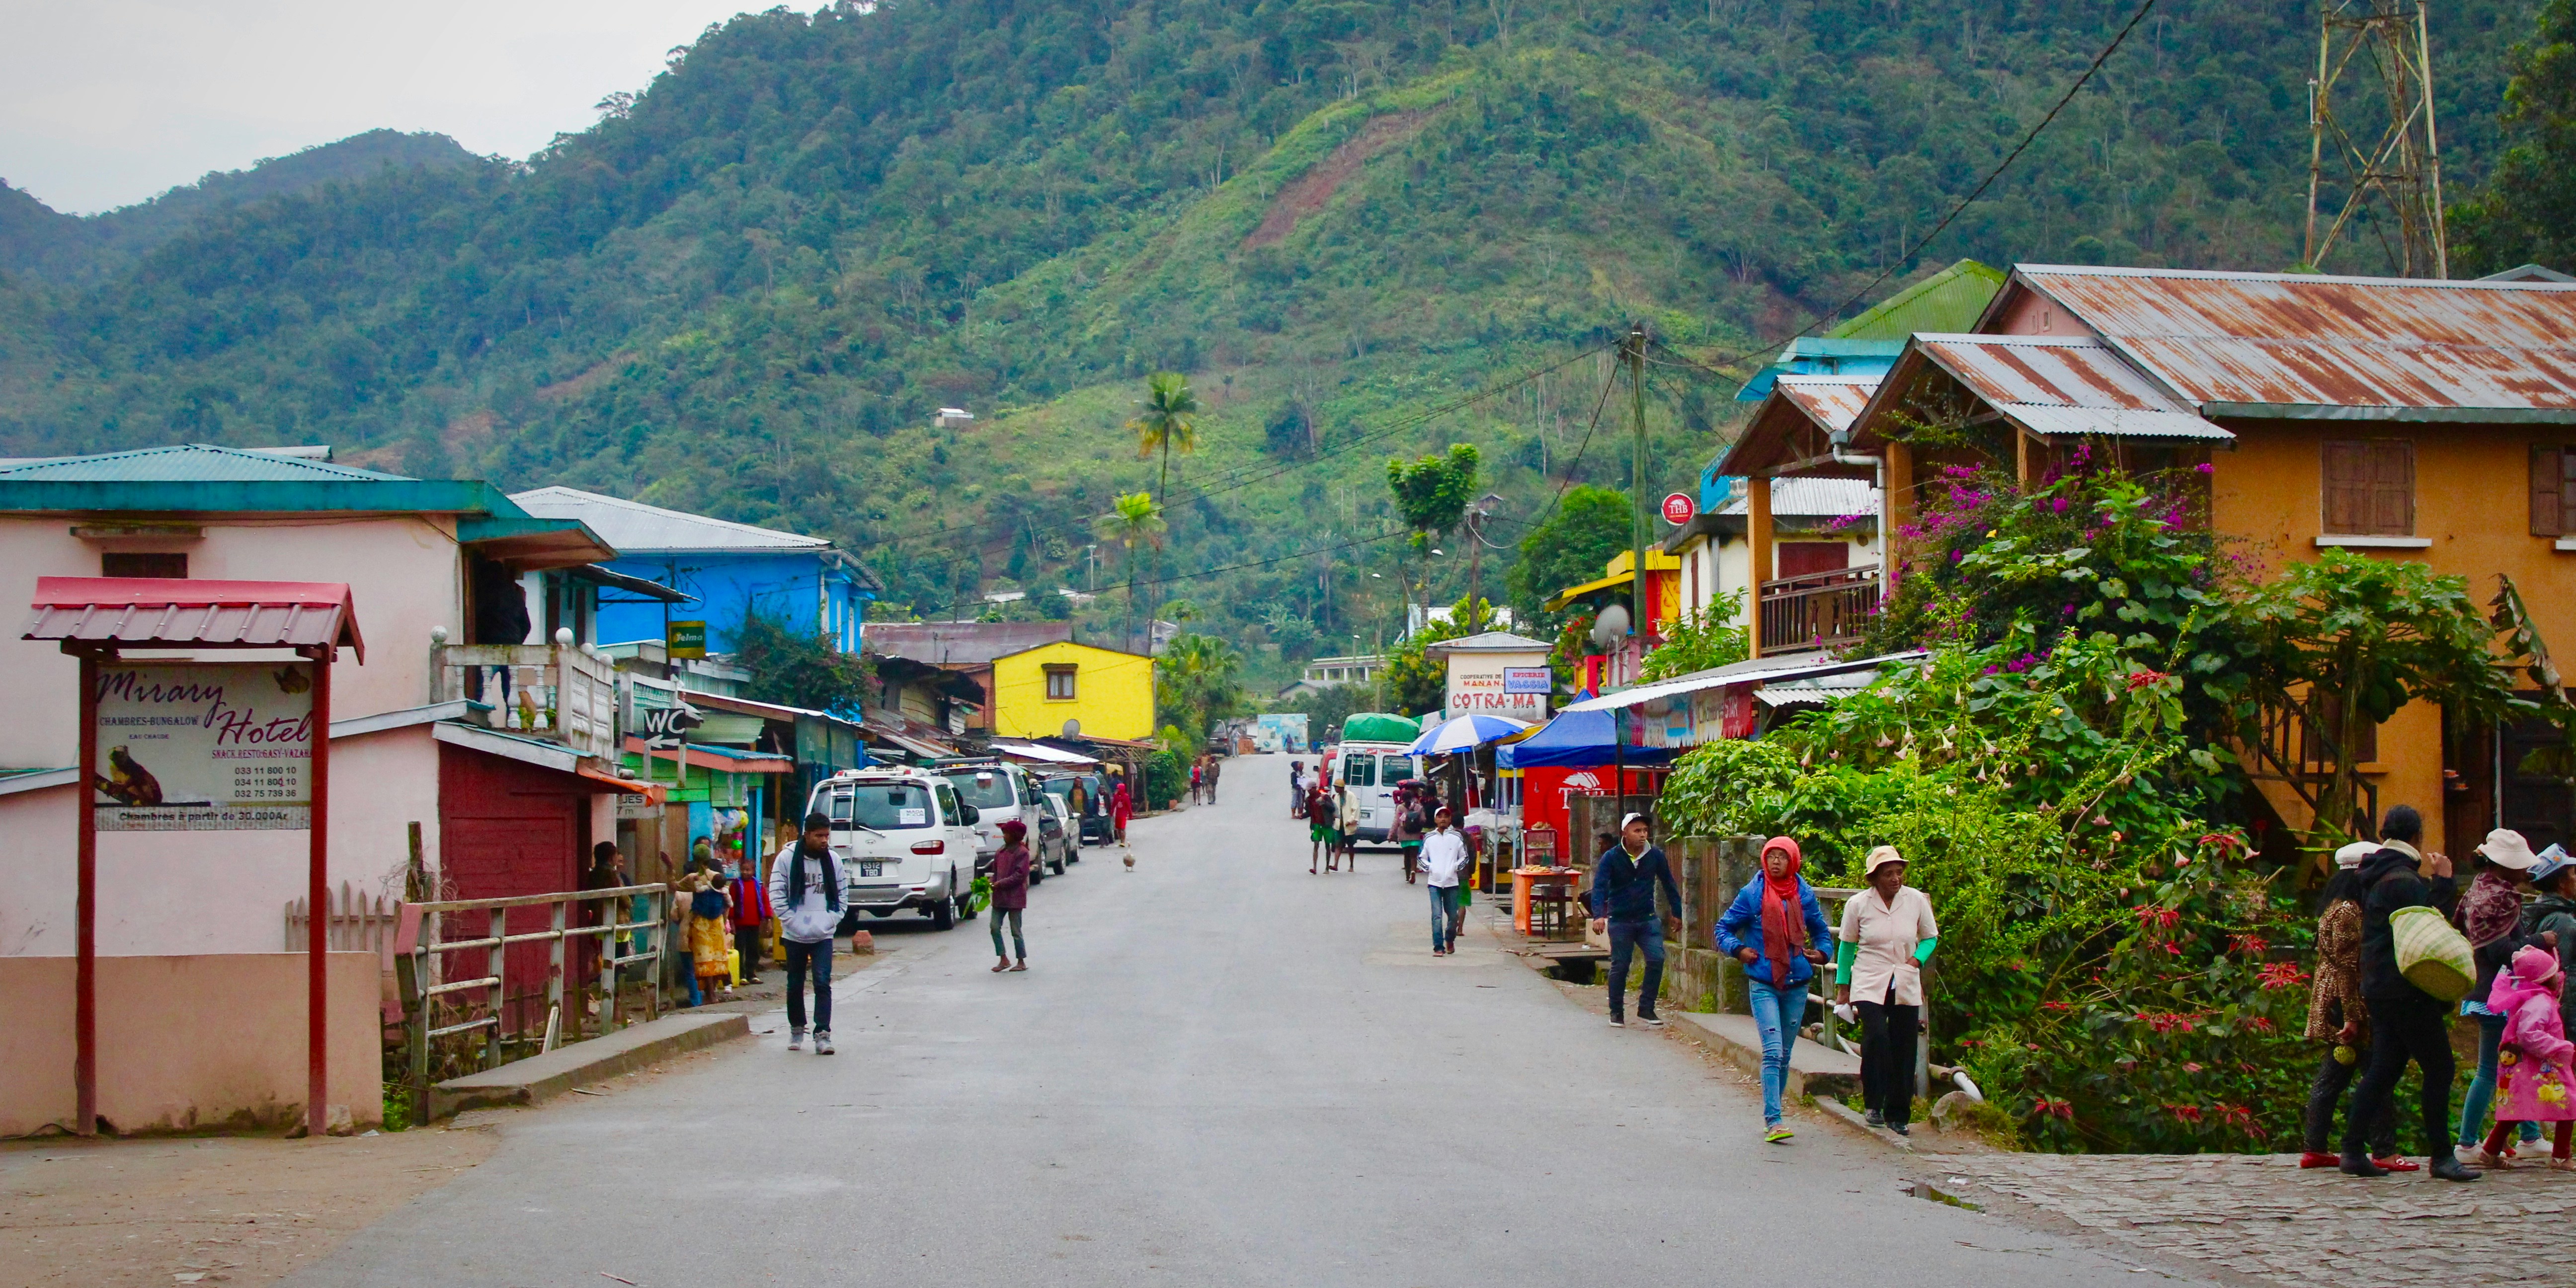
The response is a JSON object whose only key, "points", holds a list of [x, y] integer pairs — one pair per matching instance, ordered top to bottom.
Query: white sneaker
{"points": [[1651, 1021], [1617, 1023], [796, 1039], [822, 1043]]}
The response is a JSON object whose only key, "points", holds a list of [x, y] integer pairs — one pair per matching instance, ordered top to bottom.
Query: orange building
{"points": [[2422, 420]]}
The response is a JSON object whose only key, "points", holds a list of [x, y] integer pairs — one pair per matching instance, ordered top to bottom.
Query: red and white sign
{"points": [[1679, 508]]}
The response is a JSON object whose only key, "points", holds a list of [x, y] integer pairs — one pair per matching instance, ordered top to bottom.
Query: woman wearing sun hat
{"points": [[2490, 914], [1887, 934]]}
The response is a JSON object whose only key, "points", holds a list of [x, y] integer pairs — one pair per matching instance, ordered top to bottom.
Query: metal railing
{"points": [[1818, 609], [554, 691], [1834, 897], [482, 994]]}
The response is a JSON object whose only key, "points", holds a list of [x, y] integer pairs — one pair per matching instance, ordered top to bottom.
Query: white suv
{"points": [[996, 790], [906, 842]]}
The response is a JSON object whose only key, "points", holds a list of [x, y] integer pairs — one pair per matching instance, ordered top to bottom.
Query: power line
{"points": [[1161, 581]]}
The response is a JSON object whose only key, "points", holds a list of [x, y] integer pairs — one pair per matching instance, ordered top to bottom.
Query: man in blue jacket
{"points": [[1623, 903], [1777, 929]]}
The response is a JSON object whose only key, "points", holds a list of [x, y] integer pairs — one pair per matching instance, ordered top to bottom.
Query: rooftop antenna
{"points": [[2375, 56]]}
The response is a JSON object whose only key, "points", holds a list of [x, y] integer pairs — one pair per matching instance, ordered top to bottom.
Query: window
{"points": [[2370, 487], [2553, 491], [121, 563], [1059, 683], [1359, 770], [985, 789], [882, 807]]}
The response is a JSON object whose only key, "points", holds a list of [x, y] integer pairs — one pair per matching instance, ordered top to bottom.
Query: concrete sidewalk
{"points": [[1814, 1068], [542, 1077]]}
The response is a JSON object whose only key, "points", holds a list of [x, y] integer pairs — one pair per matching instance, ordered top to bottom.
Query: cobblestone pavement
{"points": [[2263, 1217]]}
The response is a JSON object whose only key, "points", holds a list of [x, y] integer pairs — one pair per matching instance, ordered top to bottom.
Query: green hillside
{"points": [[747, 290]]}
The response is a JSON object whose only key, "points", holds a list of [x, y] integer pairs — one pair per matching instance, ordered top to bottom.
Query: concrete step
{"points": [[1814, 1068], [542, 1077]]}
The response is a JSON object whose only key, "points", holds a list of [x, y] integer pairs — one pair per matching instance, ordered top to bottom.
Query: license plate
{"points": [[871, 868]]}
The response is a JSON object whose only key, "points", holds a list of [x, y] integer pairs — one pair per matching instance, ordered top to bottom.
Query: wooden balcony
{"points": [[1819, 610], [558, 692]]}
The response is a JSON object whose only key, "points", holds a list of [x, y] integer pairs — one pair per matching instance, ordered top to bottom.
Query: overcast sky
{"points": [[104, 103]]}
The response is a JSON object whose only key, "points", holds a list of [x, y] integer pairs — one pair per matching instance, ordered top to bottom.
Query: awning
{"points": [[652, 590], [181, 612], [1760, 670], [1815, 691], [1577, 738], [916, 746], [1050, 755], [710, 756]]}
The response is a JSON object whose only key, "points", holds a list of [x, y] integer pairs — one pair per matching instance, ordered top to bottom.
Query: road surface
{"points": [[1217, 1071]]}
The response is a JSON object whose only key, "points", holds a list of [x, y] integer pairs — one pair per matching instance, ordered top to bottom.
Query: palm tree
{"points": [[1170, 419], [1133, 520]]}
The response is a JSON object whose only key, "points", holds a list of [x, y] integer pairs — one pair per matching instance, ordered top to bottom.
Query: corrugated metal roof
{"points": [[2285, 339], [2059, 386], [1830, 401], [187, 463], [1800, 497], [636, 528], [174, 611], [962, 643]]}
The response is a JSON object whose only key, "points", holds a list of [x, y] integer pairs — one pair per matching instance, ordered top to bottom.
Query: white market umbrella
{"points": [[1462, 733]]}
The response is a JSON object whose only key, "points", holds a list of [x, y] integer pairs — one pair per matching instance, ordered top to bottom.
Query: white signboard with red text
{"points": [[1514, 684], [204, 746]]}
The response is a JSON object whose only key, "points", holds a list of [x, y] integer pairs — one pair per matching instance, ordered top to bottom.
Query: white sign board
{"points": [[1498, 684], [204, 746]]}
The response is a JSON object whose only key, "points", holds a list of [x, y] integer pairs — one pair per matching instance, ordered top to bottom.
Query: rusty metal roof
{"points": [[2301, 344], [2056, 386], [1830, 401], [183, 612], [962, 643]]}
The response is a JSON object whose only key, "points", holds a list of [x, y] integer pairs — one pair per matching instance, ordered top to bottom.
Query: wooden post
{"points": [[1895, 511], [1757, 535], [85, 916], [555, 962], [317, 1025]]}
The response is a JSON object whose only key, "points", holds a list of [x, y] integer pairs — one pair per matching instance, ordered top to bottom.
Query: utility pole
{"points": [[2402, 166], [1477, 513], [1641, 616]]}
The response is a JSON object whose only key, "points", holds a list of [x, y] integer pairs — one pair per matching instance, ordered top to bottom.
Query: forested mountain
{"points": [[746, 289]]}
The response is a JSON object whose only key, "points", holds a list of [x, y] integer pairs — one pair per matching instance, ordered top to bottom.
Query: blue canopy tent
{"points": [[1577, 738]]}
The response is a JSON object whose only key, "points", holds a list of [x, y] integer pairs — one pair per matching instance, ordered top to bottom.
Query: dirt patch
{"points": [[1309, 192], [585, 382], [234, 1211]]}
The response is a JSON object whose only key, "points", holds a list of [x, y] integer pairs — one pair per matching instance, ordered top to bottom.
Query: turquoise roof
{"points": [[186, 463]]}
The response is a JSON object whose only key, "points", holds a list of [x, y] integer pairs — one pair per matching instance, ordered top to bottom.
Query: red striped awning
{"points": [[179, 612]]}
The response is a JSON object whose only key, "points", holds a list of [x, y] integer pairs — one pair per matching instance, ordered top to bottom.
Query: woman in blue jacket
{"points": [[1777, 929]]}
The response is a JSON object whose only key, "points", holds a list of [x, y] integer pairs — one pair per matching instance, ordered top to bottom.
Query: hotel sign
{"points": [[204, 746]]}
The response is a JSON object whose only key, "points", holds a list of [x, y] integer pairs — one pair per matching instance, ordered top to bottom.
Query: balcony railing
{"points": [[1819, 609], [558, 692]]}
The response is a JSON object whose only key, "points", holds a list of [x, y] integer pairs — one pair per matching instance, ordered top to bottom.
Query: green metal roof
{"points": [[1950, 300], [188, 463]]}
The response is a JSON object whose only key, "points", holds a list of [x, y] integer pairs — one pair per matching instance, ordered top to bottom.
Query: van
{"points": [[1370, 771], [995, 790], [905, 840]]}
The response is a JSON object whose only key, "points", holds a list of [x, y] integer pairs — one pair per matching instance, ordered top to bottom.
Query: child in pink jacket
{"points": [[2533, 1080]]}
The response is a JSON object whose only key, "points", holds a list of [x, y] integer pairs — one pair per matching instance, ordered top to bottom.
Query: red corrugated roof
{"points": [[159, 611]]}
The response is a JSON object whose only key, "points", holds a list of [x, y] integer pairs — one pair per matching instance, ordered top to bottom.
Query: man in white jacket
{"points": [[1444, 858], [805, 885]]}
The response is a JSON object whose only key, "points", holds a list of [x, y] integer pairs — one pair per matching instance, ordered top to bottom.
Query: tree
{"points": [[2527, 211], [1170, 419], [1431, 493], [1133, 520], [1591, 525], [1699, 640], [799, 670], [1416, 681], [1197, 682]]}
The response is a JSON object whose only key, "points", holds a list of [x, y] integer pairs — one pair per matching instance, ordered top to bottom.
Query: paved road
{"points": [[1218, 1071]]}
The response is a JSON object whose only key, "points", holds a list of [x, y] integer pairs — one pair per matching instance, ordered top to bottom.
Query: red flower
{"points": [[2142, 677], [2249, 945], [2282, 975], [2055, 1006], [2258, 1023], [2191, 1068], [2063, 1110], [2184, 1113]]}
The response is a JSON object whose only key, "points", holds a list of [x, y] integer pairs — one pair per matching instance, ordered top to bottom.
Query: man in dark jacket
{"points": [[1623, 903], [2406, 1023]]}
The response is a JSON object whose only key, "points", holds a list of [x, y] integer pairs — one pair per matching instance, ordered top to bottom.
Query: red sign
{"points": [[1678, 508]]}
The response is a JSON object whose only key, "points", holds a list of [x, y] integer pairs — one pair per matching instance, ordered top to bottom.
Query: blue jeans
{"points": [[1444, 902], [1627, 937], [801, 958], [1777, 1013], [2481, 1093]]}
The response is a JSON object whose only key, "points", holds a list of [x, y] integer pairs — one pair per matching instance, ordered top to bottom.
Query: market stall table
{"points": [[1542, 898]]}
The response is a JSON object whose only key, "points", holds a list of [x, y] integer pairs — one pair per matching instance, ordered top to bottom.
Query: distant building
{"points": [[1867, 345], [953, 418], [731, 570]]}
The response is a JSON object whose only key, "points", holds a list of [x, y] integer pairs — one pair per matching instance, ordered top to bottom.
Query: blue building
{"points": [[1866, 346], [806, 584]]}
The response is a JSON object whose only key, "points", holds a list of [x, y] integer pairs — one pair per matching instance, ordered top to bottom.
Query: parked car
{"points": [[995, 790], [1078, 822], [1055, 834], [906, 843]]}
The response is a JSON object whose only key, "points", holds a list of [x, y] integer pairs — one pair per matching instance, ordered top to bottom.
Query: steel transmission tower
{"points": [[2372, 142]]}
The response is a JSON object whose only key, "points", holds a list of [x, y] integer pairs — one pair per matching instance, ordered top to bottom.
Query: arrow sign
{"points": [[1679, 508]]}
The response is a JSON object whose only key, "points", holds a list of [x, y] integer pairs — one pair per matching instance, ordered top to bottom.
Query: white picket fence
{"points": [[354, 921]]}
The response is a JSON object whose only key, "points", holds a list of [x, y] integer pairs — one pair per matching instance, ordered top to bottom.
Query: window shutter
{"points": [[2346, 487], [2566, 487], [2392, 488], [2548, 491]]}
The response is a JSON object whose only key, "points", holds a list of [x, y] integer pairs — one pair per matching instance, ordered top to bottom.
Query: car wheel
{"points": [[943, 915]]}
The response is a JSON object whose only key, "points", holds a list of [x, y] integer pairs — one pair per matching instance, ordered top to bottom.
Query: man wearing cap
{"points": [[1623, 904], [2490, 914], [1887, 935], [2406, 1023]]}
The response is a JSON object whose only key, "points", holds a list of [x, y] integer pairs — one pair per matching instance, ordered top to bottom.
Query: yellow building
{"points": [[1110, 691]]}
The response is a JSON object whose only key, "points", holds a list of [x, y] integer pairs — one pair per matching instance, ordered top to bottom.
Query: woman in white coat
{"points": [[1887, 935]]}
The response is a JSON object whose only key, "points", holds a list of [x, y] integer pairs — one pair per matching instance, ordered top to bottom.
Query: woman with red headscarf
{"points": [[1777, 929]]}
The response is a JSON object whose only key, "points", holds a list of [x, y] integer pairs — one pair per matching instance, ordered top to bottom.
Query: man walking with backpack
{"points": [[805, 889], [1623, 904], [2406, 1023]]}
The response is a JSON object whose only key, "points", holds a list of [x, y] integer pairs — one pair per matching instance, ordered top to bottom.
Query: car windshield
{"points": [[987, 789], [884, 807]]}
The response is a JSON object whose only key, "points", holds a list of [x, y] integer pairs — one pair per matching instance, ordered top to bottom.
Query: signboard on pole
{"points": [[1679, 508], [688, 639], [204, 746]]}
